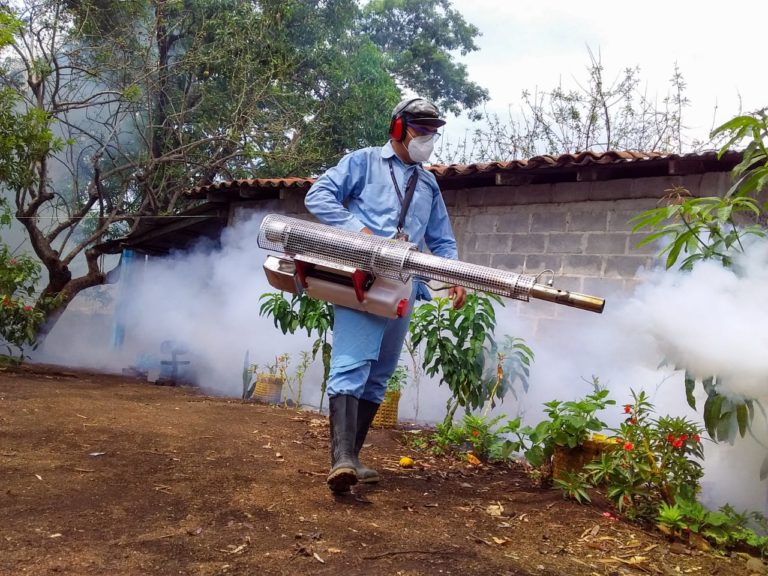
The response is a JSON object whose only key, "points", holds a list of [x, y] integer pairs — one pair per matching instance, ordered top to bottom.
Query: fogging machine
{"points": [[374, 274]]}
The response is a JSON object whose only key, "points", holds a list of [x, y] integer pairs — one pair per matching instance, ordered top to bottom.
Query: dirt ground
{"points": [[111, 476]]}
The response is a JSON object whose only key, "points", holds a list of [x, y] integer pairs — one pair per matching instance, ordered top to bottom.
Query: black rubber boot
{"points": [[366, 411], [343, 417]]}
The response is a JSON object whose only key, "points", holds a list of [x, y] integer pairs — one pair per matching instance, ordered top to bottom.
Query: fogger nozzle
{"points": [[401, 260]]}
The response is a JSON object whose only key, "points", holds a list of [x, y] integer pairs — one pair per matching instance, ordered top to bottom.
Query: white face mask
{"points": [[420, 148]]}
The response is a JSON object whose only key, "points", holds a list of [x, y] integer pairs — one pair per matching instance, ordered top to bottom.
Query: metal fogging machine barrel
{"points": [[374, 274]]}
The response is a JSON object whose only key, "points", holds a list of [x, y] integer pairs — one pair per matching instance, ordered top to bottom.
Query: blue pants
{"points": [[366, 351]]}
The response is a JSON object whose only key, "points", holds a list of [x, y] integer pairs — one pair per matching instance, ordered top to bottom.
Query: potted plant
{"points": [[303, 312], [270, 379], [386, 416], [561, 444]]}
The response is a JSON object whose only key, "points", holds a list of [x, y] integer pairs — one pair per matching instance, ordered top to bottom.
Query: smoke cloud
{"points": [[711, 320]]}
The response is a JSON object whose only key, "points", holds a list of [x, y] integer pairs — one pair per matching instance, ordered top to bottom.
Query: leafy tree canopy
{"points": [[129, 103]]}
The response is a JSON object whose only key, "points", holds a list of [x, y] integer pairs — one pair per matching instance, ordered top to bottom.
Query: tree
{"points": [[415, 37], [152, 97], [596, 115]]}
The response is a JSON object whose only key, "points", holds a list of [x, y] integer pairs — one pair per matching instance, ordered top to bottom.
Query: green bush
{"points": [[19, 318]]}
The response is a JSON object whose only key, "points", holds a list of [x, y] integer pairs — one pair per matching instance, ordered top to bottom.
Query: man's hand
{"points": [[366, 230], [458, 295]]}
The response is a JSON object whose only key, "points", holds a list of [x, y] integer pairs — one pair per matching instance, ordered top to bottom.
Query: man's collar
{"points": [[387, 152]]}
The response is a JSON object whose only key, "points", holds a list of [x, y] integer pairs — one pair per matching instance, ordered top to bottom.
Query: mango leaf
{"points": [[690, 385], [712, 415], [742, 417]]}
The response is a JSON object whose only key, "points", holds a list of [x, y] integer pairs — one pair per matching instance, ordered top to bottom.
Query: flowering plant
{"points": [[19, 319], [658, 462]]}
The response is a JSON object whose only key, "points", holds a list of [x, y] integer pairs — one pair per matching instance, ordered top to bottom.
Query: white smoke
{"points": [[204, 302], [711, 320]]}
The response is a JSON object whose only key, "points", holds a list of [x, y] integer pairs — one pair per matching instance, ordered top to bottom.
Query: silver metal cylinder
{"points": [[398, 259]]}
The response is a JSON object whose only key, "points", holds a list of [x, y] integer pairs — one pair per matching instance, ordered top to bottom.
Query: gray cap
{"points": [[419, 111]]}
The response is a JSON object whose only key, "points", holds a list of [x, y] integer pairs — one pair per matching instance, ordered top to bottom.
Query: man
{"points": [[383, 191]]}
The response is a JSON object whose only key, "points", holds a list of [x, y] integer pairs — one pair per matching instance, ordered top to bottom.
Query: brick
{"points": [[715, 183], [653, 187], [609, 190], [570, 191], [537, 194], [499, 196], [450, 197], [476, 197], [619, 220], [515, 221], [548, 221], [587, 221], [483, 223], [492, 243], [527, 243], [565, 243], [613, 243], [650, 249], [480, 259], [512, 262], [535, 263], [583, 265], [625, 266], [566, 281], [605, 288]]}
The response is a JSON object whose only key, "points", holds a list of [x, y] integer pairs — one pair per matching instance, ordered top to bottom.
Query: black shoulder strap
{"points": [[409, 190]]}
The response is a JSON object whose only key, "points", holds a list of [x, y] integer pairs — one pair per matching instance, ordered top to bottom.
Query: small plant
{"points": [[303, 312], [459, 346], [512, 363], [398, 380], [295, 382], [249, 384], [569, 425], [479, 436], [657, 461], [574, 486], [724, 528]]}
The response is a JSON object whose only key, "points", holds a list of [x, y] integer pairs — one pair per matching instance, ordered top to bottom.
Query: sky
{"points": [[527, 44]]}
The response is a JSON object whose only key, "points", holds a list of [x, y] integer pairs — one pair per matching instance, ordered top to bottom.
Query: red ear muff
{"points": [[398, 128]]}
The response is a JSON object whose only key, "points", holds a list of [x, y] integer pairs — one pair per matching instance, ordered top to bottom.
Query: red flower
{"points": [[12, 262], [28, 308], [627, 408], [633, 421], [475, 433], [684, 437], [696, 438], [678, 443], [628, 446]]}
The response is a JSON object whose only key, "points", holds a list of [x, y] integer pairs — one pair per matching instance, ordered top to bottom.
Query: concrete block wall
{"points": [[581, 231]]}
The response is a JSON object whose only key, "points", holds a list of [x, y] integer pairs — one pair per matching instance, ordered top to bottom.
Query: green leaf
{"points": [[690, 385], [742, 417]]}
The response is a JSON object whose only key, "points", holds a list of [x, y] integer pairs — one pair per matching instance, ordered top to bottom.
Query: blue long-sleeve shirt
{"points": [[358, 193]]}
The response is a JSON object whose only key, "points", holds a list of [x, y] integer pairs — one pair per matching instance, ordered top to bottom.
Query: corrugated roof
{"points": [[546, 168]]}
